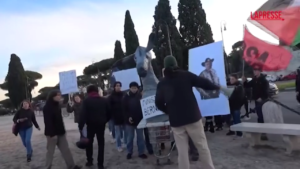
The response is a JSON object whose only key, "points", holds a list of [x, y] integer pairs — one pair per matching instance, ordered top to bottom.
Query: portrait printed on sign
{"points": [[208, 62], [209, 73]]}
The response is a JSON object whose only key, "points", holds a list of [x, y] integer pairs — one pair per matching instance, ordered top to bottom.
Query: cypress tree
{"points": [[164, 20], [194, 28], [131, 38], [119, 54], [16, 81]]}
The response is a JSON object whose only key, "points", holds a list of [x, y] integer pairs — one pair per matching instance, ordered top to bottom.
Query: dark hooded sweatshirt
{"points": [[260, 87], [175, 97], [236, 100], [115, 103], [132, 108], [95, 111], [29, 114], [54, 124]]}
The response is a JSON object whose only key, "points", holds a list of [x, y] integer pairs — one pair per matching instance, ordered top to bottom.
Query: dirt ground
{"points": [[227, 153]]}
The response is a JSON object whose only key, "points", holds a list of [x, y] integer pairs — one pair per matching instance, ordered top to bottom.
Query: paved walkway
{"points": [[227, 153]]}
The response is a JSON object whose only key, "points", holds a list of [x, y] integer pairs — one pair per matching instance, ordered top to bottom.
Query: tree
{"points": [[165, 24], [194, 29], [131, 38], [119, 53], [16, 81]]}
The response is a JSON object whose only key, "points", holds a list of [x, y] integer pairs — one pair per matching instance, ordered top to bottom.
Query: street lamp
{"points": [[158, 23], [223, 28]]}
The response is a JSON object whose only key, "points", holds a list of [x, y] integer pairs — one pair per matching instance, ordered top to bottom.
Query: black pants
{"points": [[219, 121], [99, 132], [147, 141]]}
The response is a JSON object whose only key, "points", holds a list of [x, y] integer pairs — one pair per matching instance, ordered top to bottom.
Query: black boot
{"points": [[206, 126], [230, 133], [28, 157]]}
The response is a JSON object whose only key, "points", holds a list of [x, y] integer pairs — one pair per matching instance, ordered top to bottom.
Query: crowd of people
{"points": [[123, 112]]}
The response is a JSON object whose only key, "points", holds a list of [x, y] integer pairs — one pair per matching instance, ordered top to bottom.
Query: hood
{"points": [[171, 72]]}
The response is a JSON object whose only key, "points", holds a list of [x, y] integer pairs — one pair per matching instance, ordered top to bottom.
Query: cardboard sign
{"points": [[68, 82], [148, 107]]}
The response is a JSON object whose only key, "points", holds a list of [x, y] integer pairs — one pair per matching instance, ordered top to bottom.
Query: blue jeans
{"points": [[258, 109], [236, 116], [111, 127], [120, 133], [25, 135], [139, 139]]}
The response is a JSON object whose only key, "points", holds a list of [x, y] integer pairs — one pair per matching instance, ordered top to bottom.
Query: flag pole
{"points": [[243, 68]]}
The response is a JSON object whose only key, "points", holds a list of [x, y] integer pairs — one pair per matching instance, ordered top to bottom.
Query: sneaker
{"points": [[230, 133], [112, 141], [120, 149], [129, 156], [143, 156], [28, 158], [89, 164]]}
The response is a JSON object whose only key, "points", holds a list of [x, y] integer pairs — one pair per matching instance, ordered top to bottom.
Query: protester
{"points": [[297, 85], [260, 89], [175, 97], [236, 101], [115, 102], [74, 106], [95, 113], [133, 115], [24, 118], [55, 131], [147, 141]]}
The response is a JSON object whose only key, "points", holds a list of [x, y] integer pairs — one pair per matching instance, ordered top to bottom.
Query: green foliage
{"points": [[164, 20], [194, 29], [131, 38], [119, 53], [101, 66], [155, 67], [84, 80], [16, 81], [6, 103]]}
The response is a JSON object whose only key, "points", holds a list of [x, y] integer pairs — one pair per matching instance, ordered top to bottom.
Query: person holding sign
{"points": [[175, 97], [74, 106], [133, 114]]}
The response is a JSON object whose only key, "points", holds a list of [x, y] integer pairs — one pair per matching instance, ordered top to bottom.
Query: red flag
{"points": [[269, 57]]}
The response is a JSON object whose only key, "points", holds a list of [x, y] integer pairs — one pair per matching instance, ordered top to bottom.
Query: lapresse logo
{"points": [[266, 15]]}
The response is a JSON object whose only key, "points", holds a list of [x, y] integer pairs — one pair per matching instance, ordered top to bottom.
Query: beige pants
{"points": [[196, 132], [62, 144]]}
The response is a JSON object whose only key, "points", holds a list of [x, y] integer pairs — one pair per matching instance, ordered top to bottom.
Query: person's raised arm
{"points": [[201, 82], [159, 99]]}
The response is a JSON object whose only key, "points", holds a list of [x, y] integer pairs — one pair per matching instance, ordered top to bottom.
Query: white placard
{"points": [[208, 61], [126, 77], [68, 82], [148, 107]]}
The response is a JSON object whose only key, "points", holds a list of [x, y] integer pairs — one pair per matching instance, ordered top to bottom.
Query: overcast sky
{"points": [[58, 35]]}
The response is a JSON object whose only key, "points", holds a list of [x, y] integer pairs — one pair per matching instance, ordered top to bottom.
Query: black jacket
{"points": [[297, 81], [260, 87], [175, 96], [237, 98], [115, 103], [76, 107], [132, 108], [94, 112], [29, 114], [54, 124]]}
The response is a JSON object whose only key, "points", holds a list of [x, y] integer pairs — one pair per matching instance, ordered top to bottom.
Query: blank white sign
{"points": [[126, 77], [68, 82]]}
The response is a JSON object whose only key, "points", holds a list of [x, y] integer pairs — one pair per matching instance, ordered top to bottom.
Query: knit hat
{"points": [[170, 61], [133, 84]]}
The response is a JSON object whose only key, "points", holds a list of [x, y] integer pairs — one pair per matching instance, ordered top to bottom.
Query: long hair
{"points": [[27, 101]]}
